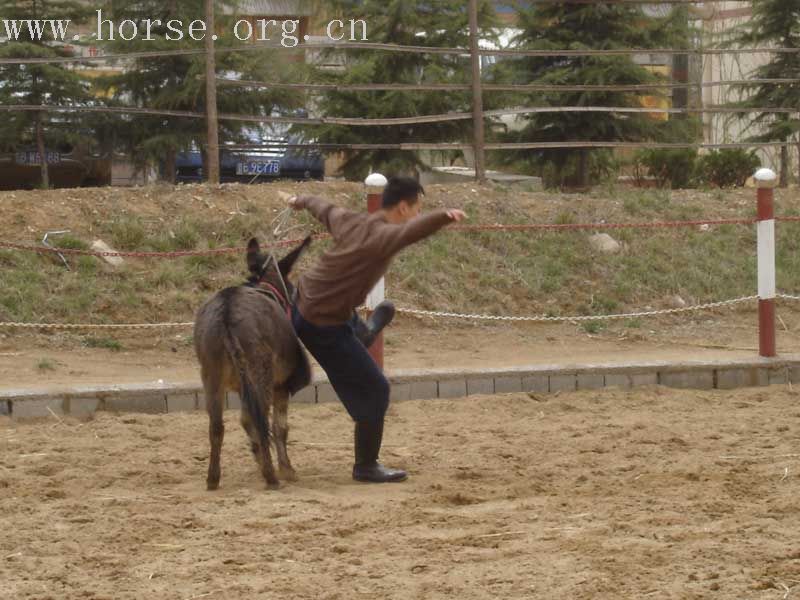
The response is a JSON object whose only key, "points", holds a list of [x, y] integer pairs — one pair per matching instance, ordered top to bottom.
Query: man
{"points": [[327, 296]]}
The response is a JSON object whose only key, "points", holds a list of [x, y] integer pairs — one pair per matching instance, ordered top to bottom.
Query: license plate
{"points": [[33, 158], [258, 167]]}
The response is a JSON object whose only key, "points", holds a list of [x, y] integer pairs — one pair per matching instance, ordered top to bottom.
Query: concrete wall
{"points": [[420, 385]]}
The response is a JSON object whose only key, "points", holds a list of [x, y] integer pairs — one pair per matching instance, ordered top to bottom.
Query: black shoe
{"points": [[367, 331], [368, 438]]}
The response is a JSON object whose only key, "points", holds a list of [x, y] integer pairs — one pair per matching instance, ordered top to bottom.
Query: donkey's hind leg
{"points": [[215, 405], [256, 408], [280, 433], [252, 434], [262, 455]]}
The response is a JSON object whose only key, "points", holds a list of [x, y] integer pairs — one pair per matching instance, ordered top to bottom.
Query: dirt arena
{"points": [[653, 493]]}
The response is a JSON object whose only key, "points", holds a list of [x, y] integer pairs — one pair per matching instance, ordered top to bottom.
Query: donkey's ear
{"points": [[254, 261], [287, 262]]}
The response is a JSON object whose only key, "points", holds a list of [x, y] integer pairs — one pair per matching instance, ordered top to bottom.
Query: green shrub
{"points": [[673, 168], [728, 168], [128, 233], [186, 236], [69, 242], [593, 327], [107, 343], [46, 364]]}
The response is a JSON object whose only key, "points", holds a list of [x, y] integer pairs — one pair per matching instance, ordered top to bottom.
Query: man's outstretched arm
{"points": [[326, 213], [418, 228]]}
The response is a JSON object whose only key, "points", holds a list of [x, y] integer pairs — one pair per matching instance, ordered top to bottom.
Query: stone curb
{"points": [[83, 401]]}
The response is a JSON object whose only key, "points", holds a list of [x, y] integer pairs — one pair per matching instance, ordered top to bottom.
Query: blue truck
{"points": [[269, 154]]}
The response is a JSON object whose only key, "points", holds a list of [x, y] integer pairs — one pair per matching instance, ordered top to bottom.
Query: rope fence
{"points": [[650, 2], [677, 2], [415, 49], [496, 87], [364, 122], [517, 145], [584, 226], [135, 254], [408, 311], [416, 312], [582, 318], [94, 326]]}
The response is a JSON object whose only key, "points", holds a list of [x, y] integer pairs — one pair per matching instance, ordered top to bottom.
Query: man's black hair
{"points": [[401, 188]]}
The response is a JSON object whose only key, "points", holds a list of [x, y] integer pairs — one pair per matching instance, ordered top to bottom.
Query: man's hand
{"points": [[290, 199], [456, 215]]}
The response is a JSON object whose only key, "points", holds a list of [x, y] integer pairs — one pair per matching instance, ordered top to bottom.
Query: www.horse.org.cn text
{"points": [[287, 32]]}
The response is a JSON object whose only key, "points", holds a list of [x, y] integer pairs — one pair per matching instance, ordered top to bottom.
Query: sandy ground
{"points": [[410, 344], [653, 493]]}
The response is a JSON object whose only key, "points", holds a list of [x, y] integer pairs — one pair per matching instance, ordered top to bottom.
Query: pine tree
{"points": [[441, 23], [775, 23], [599, 26], [178, 82], [54, 84]]}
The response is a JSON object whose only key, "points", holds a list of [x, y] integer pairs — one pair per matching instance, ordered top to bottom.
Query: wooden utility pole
{"points": [[477, 93], [212, 143], [42, 150]]}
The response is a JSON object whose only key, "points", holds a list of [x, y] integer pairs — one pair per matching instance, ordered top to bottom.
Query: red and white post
{"points": [[765, 181], [375, 184]]}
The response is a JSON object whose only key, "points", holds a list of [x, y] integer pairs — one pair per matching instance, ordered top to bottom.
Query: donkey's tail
{"points": [[252, 400]]}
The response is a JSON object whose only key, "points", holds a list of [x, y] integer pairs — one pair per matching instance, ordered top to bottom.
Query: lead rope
{"points": [[277, 231], [280, 277]]}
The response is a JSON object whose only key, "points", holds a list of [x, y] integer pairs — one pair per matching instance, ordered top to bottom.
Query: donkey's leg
{"points": [[264, 382], [215, 404], [280, 433], [252, 434], [262, 458]]}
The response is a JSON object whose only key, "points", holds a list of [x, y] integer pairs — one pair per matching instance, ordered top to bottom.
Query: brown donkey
{"points": [[245, 343]]}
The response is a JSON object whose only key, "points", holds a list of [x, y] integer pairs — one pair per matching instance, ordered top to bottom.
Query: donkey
{"points": [[245, 343]]}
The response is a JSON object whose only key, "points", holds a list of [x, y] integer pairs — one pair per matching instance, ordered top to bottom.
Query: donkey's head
{"points": [[262, 267]]}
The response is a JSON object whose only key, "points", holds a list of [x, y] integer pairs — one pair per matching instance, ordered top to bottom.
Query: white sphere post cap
{"points": [[765, 177], [376, 180]]}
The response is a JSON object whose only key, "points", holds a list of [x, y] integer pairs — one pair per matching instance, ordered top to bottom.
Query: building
{"points": [[717, 20]]}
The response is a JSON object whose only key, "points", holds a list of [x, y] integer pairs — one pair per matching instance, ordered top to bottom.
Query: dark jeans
{"points": [[356, 379]]}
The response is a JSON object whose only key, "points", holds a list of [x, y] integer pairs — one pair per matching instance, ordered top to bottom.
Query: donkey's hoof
{"points": [[287, 474], [212, 485], [273, 486]]}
